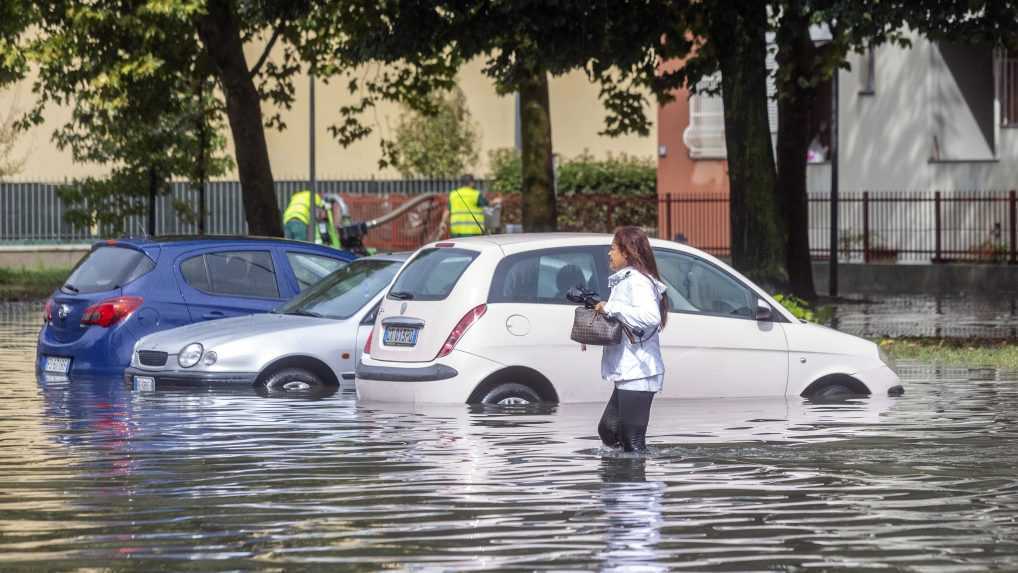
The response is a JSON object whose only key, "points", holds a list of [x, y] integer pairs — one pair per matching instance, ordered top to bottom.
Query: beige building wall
{"points": [[577, 117]]}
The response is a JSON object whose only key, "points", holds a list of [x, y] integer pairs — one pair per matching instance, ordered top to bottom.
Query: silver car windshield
{"points": [[341, 294]]}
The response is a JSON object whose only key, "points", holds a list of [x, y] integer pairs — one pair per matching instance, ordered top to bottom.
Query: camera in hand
{"points": [[584, 296]]}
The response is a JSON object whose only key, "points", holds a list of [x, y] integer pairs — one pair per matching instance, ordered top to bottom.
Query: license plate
{"points": [[400, 336], [56, 364], [144, 384]]}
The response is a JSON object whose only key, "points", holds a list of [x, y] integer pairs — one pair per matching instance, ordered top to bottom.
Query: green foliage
{"points": [[439, 145], [9, 164], [506, 172], [592, 194], [30, 284], [798, 307], [969, 352]]}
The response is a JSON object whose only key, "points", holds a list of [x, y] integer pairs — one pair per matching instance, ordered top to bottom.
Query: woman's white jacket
{"points": [[634, 300]]}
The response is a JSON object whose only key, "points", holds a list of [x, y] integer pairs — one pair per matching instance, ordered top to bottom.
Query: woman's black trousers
{"points": [[625, 418]]}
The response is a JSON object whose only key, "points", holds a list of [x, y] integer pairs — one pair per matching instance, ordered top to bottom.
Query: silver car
{"points": [[309, 345]]}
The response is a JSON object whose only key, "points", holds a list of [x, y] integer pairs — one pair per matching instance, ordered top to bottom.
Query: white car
{"points": [[485, 320], [309, 345]]}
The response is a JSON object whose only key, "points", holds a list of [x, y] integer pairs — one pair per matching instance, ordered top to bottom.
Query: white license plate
{"points": [[400, 336], [56, 364], [144, 384]]}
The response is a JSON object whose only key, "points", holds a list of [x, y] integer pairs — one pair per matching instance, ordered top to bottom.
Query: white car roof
{"points": [[518, 242], [522, 242]]}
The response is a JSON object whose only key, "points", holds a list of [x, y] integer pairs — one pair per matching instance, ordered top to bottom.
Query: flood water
{"points": [[94, 477]]}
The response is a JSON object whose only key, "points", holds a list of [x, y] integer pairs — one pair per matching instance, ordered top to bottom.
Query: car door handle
{"points": [[213, 314]]}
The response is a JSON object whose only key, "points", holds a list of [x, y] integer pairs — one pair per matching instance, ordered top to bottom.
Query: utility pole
{"points": [[312, 223], [833, 266]]}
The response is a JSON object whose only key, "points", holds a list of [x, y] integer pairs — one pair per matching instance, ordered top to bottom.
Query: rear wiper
{"points": [[71, 287], [401, 295]]}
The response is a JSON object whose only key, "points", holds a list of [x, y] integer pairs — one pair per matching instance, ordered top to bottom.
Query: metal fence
{"points": [[34, 212], [884, 226], [873, 227]]}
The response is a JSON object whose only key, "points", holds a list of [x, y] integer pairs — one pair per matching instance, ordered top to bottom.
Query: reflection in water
{"points": [[948, 316], [98, 477], [633, 507]]}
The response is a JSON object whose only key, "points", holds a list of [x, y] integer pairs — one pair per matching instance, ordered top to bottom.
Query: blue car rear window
{"points": [[107, 268]]}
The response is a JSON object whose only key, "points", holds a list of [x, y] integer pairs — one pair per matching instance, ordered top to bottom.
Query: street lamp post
{"points": [[311, 163], [833, 266]]}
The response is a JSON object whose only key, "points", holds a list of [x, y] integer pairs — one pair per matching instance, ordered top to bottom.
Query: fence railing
{"points": [[34, 212], [884, 226], [874, 227]]}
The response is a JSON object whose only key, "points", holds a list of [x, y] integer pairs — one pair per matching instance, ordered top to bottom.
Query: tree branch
{"points": [[268, 48]]}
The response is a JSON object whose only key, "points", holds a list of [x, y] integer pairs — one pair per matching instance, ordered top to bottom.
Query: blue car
{"points": [[125, 289]]}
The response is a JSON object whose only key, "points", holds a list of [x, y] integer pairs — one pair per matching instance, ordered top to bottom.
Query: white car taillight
{"points": [[461, 327], [367, 345]]}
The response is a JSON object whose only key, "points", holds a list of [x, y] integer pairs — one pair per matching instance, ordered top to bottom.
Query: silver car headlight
{"points": [[190, 355], [885, 357]]}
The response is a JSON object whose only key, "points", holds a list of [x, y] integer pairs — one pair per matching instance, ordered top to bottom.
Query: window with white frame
{"points": [[705, 134]]}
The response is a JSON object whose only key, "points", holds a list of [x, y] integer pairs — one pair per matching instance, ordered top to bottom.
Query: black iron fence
{"points": [[34, 212], [873, 226]]}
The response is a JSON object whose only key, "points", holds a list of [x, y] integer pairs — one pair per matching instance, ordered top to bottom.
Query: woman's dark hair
{"points": [[635, 247]]}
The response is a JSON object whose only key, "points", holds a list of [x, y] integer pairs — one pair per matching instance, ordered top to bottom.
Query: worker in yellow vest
{"points": [[466, 213], [295, 219]]}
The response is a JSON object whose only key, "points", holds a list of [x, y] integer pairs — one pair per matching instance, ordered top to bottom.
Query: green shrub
{"points": [[592, 195], [798, 307]]}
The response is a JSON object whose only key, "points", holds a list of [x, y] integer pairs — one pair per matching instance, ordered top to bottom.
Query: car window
{"points": [[108, 268], [309, 269], [195, 273], [242, 273], [432, 274], [544, 276], [694, 285], [344, 292]]}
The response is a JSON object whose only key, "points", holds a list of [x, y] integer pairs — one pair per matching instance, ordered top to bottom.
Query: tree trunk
{"points": [[219, 31], [796, 59], [539, 212], [757, 228]]}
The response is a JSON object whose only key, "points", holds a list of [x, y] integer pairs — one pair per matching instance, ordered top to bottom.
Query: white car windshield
{"points": [[344, 292]]}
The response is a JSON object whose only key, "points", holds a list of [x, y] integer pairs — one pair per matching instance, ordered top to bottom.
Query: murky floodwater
{"points": [[94, 477]]}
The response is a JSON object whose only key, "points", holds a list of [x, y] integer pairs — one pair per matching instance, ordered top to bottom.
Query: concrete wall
{"points": [[887, 137], [41, 256], [978, 280]]}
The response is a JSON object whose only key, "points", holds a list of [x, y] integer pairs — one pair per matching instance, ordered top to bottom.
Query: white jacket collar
{"points": [[624, 273]]}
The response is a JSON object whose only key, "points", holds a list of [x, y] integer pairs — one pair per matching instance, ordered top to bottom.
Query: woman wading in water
{"points": [[634, 366]]}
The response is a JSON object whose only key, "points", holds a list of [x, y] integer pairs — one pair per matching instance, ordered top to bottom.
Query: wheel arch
{"points": [[309, 363], [520, 375], [852, 383]]}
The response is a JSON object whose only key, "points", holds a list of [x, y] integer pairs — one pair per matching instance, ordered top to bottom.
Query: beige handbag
{"points": [[596, 329]]}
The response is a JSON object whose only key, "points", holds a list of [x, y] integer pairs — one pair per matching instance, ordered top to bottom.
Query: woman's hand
{"points": [[599, 309]]}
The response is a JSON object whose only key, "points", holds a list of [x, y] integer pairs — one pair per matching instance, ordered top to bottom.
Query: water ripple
{"points": [[96, 477]]}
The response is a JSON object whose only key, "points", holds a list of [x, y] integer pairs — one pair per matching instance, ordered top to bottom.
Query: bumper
{"points": [[99, 352], [195, 378], [881, 381], [449, 382]]}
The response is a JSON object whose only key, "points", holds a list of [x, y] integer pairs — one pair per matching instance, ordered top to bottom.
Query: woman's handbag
{"points": [[596, 329]]}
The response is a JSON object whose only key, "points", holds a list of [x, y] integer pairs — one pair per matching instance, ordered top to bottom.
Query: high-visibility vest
{"points": [[298, 209], [465, 216]]}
